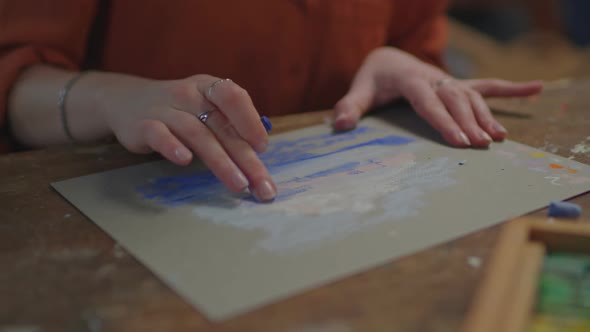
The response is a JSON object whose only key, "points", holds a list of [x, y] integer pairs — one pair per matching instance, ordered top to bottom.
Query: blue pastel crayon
{"points": [[266, 123], [564, 210]]}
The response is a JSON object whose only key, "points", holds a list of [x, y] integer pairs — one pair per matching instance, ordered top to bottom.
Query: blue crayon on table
{"points": [[266, 123], [564, 210]]}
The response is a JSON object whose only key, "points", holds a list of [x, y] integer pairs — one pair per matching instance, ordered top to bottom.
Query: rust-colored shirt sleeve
{"points": [[419, 27], [40, 31], [307, 50]]}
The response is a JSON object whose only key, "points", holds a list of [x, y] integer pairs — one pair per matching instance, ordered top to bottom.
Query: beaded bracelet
{"points": [[61, 104]]}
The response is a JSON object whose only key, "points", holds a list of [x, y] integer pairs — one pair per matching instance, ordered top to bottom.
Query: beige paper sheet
{"points": [[347, 203]]}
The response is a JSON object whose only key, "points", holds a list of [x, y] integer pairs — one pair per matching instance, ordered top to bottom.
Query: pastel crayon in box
{"points": [[537, 280]]}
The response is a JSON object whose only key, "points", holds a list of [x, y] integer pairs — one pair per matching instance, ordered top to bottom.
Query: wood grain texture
{"points": [[60, 272]]}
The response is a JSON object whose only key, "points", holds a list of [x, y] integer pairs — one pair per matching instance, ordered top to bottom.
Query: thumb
{"points": [[353, 105]]}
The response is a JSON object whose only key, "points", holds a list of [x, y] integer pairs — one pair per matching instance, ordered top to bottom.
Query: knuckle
{"points": [[411, 85], [182, 91], [450, 92], [472, 94], [235, 95], [476, 99], [416, 103], [423, 105], [483, 113], [184, 125], [148, 127], [227, 130], [150, 131], [191, 131], [154, 135]]}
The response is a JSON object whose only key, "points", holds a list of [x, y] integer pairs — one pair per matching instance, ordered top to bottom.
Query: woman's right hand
{"points": [[149, 115]]}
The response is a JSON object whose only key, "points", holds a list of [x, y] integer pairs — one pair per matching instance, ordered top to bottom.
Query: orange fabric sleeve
{"points": [[424, 29], [54, 32]]}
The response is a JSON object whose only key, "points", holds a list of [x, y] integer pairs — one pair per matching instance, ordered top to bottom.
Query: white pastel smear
{"points": [[333, 206]]}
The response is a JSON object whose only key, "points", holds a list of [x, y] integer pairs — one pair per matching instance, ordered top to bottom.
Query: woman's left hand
{"points": [[455, 108]]}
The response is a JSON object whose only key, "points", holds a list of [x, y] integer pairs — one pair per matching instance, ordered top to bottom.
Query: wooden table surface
{"points": [[60, 272]]}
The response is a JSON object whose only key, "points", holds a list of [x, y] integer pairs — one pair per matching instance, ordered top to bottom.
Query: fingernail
{"points": [[340, 117], [342, 123], [499, 128], [486, 137], [464, 138], [183, 154], [240, 181], [265, 192]]}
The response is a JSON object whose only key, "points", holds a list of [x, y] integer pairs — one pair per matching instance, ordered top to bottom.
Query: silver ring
{"points": [[440, 83], [210, 90], [203, 117]]}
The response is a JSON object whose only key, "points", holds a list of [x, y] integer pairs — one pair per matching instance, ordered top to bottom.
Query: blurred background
{"points": [[520, 39]]}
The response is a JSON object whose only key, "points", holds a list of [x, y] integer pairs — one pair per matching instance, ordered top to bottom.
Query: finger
{"points": [[502, 88], [353, 105], [237, 106], [429, 106], [459, 106], [484, 117], [189, 130], [159, 138], [261, 184]]}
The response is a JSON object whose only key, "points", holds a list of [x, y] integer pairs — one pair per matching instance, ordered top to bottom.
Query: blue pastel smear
{"points": [[203, 185], [288, 193]]}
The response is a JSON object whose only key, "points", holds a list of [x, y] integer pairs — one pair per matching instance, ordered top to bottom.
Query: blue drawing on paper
{"points": [[203, 186], [330, 186]]}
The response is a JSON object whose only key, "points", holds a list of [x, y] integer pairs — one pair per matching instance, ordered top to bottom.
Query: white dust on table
{"points": [[582, 147], [474, 261]]}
